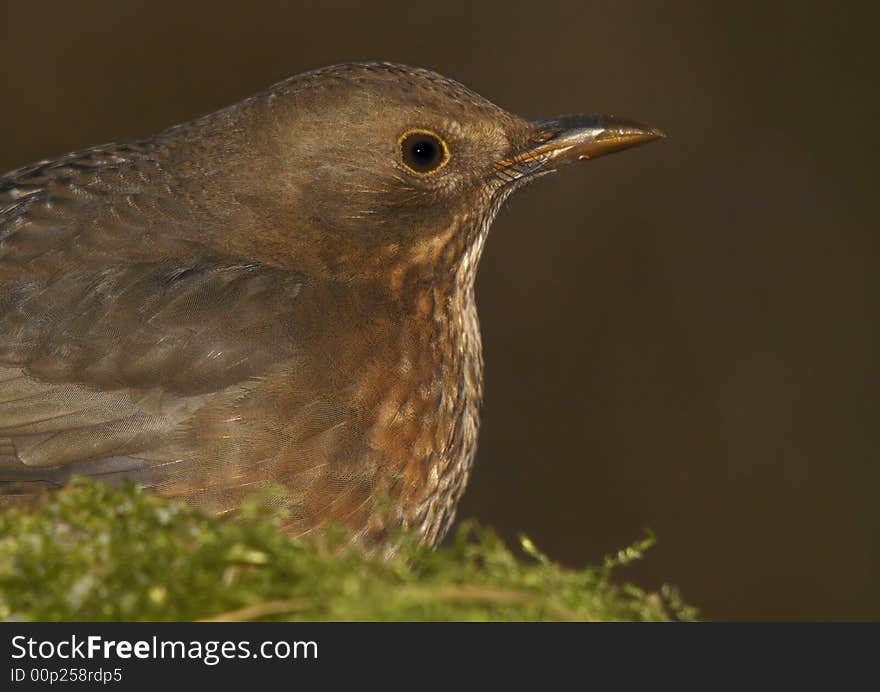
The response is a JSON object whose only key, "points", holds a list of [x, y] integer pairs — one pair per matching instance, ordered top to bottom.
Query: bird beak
{"points": [[573, 138]]}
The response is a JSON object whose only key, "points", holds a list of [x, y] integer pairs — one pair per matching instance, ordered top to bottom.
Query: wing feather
{"points": [[130, 350]]}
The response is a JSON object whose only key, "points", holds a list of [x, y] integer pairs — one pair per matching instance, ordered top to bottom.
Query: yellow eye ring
{"points": [[423, 152]]}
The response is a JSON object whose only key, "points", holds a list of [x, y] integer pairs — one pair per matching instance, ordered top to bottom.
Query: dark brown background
{"points": [[682, 337]]}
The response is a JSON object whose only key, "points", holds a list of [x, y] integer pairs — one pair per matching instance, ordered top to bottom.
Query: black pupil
{"points": [[422, 152]]}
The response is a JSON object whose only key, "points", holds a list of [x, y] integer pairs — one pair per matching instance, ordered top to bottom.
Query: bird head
{"points": [[381, 169]]}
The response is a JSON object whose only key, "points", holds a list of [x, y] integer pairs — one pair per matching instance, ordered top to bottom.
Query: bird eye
{"points": [[423, 152]]}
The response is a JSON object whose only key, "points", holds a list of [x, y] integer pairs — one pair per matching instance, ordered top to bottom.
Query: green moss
{"points": [[91, 552]]}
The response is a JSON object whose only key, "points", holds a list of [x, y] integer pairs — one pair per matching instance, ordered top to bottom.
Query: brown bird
{"points": [[281, 292]]}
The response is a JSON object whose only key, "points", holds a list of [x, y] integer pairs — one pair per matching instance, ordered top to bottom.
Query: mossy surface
{"points": [[90, 552]]}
